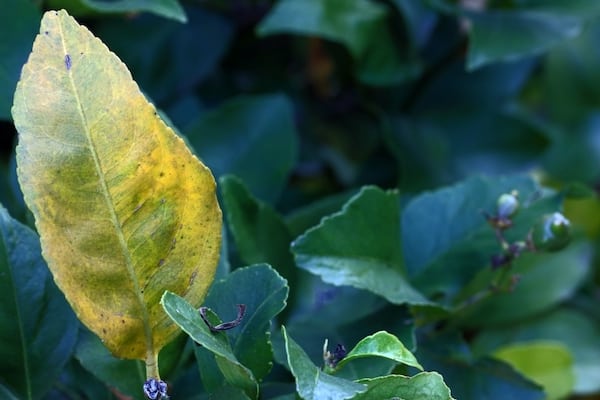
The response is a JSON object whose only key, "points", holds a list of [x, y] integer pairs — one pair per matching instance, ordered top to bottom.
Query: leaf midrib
{"points": [[113, 214]]}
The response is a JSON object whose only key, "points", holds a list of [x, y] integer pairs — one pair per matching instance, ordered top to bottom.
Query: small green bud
{"points": [[507, 205], [551, 233]]}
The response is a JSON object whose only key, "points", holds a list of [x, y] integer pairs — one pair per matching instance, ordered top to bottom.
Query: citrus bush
{"points": [[316, 199]]}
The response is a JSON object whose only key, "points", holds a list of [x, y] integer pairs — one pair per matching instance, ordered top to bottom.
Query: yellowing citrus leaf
{"points": [[124, 210]]}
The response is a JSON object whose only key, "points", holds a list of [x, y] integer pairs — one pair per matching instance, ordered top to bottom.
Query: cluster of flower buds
{"points": [[552, 232], [155, 389]]}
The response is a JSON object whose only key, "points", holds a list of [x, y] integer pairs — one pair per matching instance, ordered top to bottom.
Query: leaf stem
{"points": [[152, 365]]}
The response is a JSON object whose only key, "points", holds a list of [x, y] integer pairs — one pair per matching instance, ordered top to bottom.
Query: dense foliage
{"points": [[393, 176]]}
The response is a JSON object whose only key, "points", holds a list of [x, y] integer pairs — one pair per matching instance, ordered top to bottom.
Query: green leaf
{"points": [[165, 8], [576, 8], [419, 19], [19, 20], [360, 25], [509, 35], [175, 58], [570, 90], [233, 137], [122, 206], [303, 218], [259, 231], [360, 246], [545, 280], [264, 292], [322, 304], [189, 320], [38, 328], [579, 333], [381, 344], [549, 364], [127, 376], [483, 379], [311, 382], [80, 383], [425, 385], [229, 393], [7, 394]]}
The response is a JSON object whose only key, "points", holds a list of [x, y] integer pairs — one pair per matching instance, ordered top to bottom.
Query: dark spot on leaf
{"points": [[46, 32], [68, 62], [161, 174], [161, 262], [193, 278], [123, 321], [103, 330]]}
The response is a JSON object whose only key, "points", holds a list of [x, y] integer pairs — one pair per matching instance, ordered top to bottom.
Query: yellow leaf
{"points": [[123, 208]]}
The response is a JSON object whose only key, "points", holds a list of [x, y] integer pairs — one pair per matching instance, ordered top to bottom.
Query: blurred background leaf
{"points": [[21, 19], [38, 328]]}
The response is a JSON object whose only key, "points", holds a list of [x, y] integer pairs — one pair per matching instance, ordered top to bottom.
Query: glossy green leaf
{"points": [[166, 8], [21, 19], [360, 25], [509, 35], [232, 137], [124, 210], [360, 246], [545, 280], [264, 292], [189, 320], [38, 329], [576, 331], [381, 344], [548, 364], [127, 376], [311, 382], [424, 385]]}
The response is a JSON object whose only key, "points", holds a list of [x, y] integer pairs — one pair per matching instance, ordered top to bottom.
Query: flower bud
{"points": [[507, 205], [551, 233]]}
